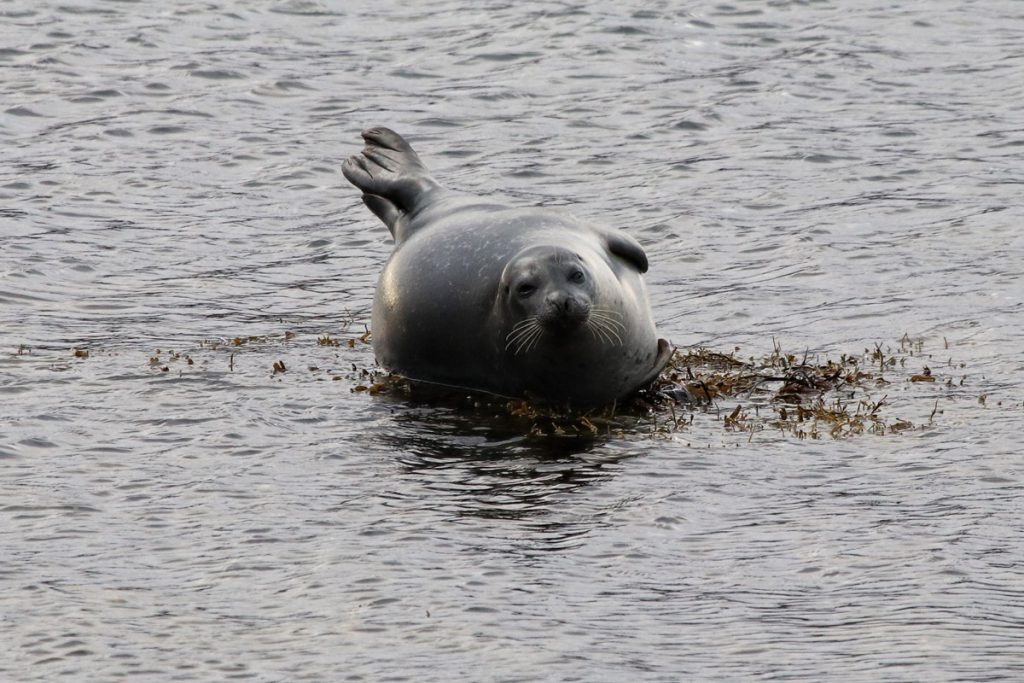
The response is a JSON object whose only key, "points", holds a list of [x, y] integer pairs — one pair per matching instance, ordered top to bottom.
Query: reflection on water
{"points": [[821, 175], [468, 464]]}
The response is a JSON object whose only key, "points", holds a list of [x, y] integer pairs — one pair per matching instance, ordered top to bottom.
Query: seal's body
{"points": [[520, 302]]}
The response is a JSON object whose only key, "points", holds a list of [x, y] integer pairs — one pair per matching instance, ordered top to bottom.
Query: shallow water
{"points": [[830, 176]]}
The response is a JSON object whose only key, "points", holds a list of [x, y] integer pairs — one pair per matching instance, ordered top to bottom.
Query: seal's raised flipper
{"points": [[393, 179]]}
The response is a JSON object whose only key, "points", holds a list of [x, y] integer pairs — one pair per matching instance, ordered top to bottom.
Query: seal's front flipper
{"points": [[393, 179], [665, 351]]}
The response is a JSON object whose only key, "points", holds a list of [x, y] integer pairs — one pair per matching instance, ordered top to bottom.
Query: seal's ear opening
{"points": [[628, 249]]}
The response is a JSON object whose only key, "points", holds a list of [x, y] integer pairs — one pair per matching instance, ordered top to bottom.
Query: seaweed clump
{"points": [[798, 396]]}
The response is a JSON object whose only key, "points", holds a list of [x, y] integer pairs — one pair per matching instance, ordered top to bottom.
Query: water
{"points": [[828, 175]]}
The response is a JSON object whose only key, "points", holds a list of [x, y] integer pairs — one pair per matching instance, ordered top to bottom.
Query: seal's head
{"points": [[552, 284], [549, 293]]}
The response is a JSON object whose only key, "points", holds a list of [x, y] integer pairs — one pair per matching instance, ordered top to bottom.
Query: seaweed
{"points": [[794, 395], [802, 397]]}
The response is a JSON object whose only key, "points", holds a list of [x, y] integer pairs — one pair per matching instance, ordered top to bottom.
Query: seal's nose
{"points": [[561, 303], [565, 309]]}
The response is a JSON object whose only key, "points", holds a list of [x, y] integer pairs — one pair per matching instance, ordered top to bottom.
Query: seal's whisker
{"points": [[607, 311], [606, 316], [611, 317], [610, 321], [519, 326], [610, 326], [521, 329], [612, 331], [607, 332], [599, 333], [615, 333], [519, 335], [524, 335], [522, 339], [530, 340], [534, 340], [520, 342]]}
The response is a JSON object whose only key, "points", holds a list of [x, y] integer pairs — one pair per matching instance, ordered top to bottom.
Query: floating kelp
{"points": [[327, 340], [230, 351], [799, 396]]}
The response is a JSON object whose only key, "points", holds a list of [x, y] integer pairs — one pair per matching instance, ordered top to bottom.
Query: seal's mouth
{"points": [[563, 323]]}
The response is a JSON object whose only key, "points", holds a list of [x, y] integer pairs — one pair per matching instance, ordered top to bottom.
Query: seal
{"points": [[518, 302]]}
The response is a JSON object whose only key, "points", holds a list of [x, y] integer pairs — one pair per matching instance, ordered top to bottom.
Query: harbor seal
{"points": [[518, 302]]}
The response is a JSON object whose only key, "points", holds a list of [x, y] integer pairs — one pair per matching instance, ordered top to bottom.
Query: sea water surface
{"points": [[822, 176]]}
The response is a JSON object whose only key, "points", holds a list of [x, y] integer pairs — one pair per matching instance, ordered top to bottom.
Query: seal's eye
{"points": [[576, 276], [524, 290]]}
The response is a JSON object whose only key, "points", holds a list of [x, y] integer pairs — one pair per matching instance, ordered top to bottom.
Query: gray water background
{"points": [[826, 176]]}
